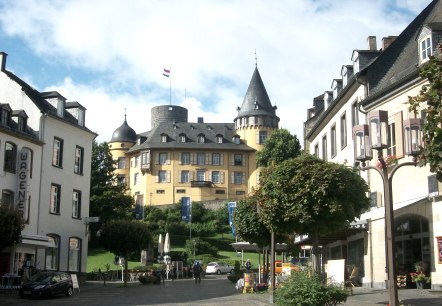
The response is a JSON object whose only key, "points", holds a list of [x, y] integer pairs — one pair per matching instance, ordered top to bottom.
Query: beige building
{"points": [[381, 80], [203, 161]]}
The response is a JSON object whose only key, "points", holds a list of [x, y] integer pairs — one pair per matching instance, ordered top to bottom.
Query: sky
{"points": [[109, 55]]}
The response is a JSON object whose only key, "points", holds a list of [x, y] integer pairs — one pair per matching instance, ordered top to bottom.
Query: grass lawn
{"points": [[98, 258]]}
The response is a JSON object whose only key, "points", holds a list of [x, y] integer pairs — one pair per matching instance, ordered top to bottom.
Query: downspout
{"points": [[42, 130]]}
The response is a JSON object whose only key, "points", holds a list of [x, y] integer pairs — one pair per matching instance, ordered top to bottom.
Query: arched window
{"points": [[52, 253], [74, 254]]}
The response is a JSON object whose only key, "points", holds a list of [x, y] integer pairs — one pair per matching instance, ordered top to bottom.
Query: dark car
{"points": [[46, 284]]}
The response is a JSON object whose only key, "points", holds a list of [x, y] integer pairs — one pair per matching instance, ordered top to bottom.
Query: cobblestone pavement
{"points": [[213, 290]]}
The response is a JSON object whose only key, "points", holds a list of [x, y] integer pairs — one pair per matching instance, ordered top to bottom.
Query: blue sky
{"points": [[109, 55]]}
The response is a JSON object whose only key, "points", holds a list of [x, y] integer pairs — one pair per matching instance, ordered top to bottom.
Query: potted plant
{"points": [[420, 279]]}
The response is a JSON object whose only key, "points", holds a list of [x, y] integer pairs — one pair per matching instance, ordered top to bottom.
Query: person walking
{"points": [[248, 265], [197, 272]]}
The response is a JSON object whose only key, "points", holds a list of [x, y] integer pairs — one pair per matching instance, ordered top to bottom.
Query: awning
{"points": [[355, 228], [38, 241], [246, 246]]}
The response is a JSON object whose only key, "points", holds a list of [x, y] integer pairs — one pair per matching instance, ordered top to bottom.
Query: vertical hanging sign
{"points": [[22, 182], [231, 207], [185, 208], [439, 249]]}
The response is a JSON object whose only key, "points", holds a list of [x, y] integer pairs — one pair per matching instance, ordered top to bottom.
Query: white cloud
{"points": [[301, 46]]}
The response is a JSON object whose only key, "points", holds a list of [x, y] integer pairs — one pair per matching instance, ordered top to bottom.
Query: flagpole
{"points": [[170, 89]]}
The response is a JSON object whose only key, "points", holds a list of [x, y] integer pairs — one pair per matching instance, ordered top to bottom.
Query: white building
{"points": [[382, 79], [52, 132]]}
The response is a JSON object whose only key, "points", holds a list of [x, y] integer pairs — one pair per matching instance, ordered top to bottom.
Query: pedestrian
{"points": [[248, 265], [173, 270], [197, 272]]}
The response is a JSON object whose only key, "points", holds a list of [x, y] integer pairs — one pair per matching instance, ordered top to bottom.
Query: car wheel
{"points": [[218, 272], [70, 291], [47, 293]]}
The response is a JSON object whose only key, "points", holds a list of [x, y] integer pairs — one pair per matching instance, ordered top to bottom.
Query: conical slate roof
{"points": [[256, 100], [124, 133]]}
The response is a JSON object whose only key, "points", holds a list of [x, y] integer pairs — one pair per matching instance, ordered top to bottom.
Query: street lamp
{"points": [[375, 136], [194, 245]]}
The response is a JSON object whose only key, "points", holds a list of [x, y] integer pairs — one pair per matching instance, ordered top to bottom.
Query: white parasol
{"points": [[167, 244], [160, 245]]}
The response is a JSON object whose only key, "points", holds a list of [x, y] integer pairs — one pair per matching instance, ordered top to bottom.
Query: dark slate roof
{"points": [[399, 62], [256, 100], [39, 101], [191, 131], [124, 133]]}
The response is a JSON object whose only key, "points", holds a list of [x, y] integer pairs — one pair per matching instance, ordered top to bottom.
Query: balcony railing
{"points": [[201, 184]]}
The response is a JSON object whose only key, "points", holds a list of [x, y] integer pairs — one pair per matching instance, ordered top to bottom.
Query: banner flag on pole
{"points": [[166, 72], [185, 208], [231, 208]]}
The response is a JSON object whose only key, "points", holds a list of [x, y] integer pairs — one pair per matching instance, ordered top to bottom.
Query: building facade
{"points": [[382, 80], [45, 159], [203, 161]]}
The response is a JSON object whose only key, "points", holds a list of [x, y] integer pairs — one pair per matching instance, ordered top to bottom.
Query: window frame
{"points": [[425, 48], [343, 125], [57, 152], [10, 158], [185, 158], [216, 159], [78, 160], [76, 204], [54, 208], [54, 253], [74, 254]]}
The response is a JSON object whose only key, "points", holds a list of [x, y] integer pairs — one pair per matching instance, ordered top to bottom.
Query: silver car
{"points": [[218, 267]]}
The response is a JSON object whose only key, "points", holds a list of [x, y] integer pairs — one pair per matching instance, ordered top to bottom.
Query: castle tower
{"points": [[256, 120], [122, 140]]}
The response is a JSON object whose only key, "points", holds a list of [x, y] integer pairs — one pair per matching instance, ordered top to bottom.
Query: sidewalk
{"points": [[412, 297]]}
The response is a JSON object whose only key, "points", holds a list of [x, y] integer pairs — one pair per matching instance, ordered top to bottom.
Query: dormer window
{"points": [[425, 49], [355, 60], [336, 86], [256, 104], [5, 114], [81, 115], [22, 124], [163, 138], [182, 138], [201, 138], [219, 138], [236, 139]]}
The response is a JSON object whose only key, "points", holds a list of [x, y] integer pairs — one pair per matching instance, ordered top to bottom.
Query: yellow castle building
{"points": [[204, 161]]}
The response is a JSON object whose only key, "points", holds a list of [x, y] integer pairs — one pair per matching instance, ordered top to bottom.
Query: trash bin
{"points": [[249, 282]]}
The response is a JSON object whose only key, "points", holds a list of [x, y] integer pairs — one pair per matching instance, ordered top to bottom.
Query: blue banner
{"points": [[231, 206], [185, 208]]}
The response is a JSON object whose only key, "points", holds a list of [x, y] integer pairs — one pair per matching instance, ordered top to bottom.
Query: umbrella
{"points": [[167, 244], [160, 245]]}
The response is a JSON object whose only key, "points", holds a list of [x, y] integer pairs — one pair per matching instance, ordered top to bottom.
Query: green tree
{"points": [[430, 99], [280, 146], [307, 195], [107, 199], [11, 226], [123, 237]]}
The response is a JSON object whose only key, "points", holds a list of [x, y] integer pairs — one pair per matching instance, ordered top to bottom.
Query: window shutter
{"points": [[399, 135], [257, 137], [157, 158], [179, 158], [193, 158], [221, 158], [168, 159], [243, 159], [232, 162], [191, 175], [168, 176], [179, 176], [221, 177], [232, 177], [157, 178], [243, 180]]}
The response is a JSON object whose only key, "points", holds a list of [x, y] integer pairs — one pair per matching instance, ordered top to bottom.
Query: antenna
{"points": [[256, 59], [124, 114]]}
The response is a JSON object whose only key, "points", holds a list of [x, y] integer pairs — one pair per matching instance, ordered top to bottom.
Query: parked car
{"points": [[279, 265], [218, 268], [46, 284]]}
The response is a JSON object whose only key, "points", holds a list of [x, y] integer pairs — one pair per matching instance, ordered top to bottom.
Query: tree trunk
{"points": [[125, 270]]}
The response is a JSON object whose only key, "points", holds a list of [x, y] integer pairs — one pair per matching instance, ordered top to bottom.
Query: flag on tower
{"points": [[166, 72]]}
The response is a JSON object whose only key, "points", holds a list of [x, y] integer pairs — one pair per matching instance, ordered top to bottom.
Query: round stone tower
{"points": [[171, 113]]}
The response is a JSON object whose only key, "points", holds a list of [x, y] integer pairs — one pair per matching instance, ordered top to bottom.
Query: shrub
{"points": [[149, 279], [302, 288]]}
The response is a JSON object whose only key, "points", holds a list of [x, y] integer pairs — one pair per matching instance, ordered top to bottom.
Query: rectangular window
{"points": [[426, 49], [354, 114], [343, 131], [391, 134], [262, 136], [219, 139], [333, 140], [324, 147], [317, 150], [57, 152], [10, 157], [145, 158], [163, 158], [185, 158], [201, 158], [216, 159], [237, 159], [136, 161], [121, 162], [78, 163], [200, 175], [162, 176], [185, 176], [216, 177], [136, 178], [238, 178], [121, 179], [161, 191], [181, 191], [220, 191], [240, 192], [7, 198], [76, 204], [54, 207], [74, 254], [51, 256]]}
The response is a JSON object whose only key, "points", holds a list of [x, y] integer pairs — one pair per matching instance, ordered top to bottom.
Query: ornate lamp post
{"points": [[375, 136]]}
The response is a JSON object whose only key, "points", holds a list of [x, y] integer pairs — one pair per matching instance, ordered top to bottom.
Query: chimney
{"points": [[371, 41], [386, 41], [3, 56], [200, 120]]}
